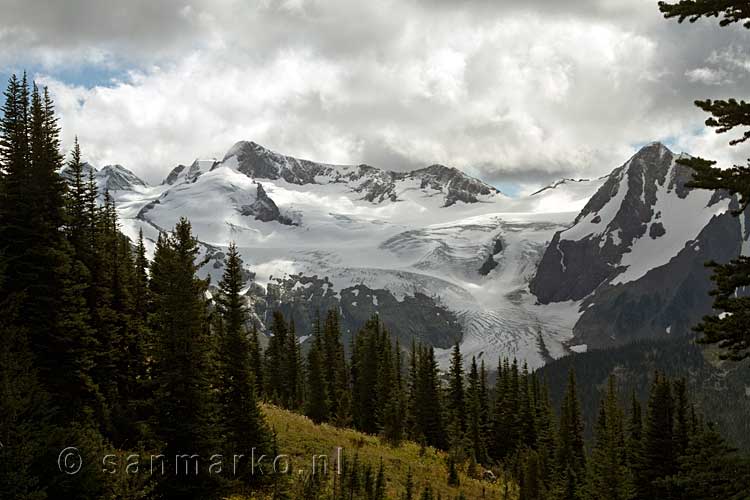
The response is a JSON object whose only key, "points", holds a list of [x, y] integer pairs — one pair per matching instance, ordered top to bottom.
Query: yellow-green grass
{"points": [[301, 439]]}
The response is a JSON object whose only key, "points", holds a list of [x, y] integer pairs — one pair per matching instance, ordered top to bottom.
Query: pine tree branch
{"points": [[732, 11], [726, 115], [733, 180]]}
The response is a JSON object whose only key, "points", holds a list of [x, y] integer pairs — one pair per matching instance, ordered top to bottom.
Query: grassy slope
{"points": [[300, 438]]}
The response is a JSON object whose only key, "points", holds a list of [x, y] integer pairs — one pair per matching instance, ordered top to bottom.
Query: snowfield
{"points": [[434, 231]]}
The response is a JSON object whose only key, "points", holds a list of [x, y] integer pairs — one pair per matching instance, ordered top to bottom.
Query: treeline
{"points": [[107, 352], [101, 353], [106, 356], [716, 388], [666, 451]]}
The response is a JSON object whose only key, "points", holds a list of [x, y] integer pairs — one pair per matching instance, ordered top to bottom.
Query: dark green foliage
{"points": [[732, 11], [727, 327], [283, 365], [336, 371], [455, 400], [317, 405], [427, 405], [186, 412], [25, 419], [476, 425], [243, 426], [659, 457], [571, 458], [712, 469], [609, 477], [531, 478], [453, 479]]}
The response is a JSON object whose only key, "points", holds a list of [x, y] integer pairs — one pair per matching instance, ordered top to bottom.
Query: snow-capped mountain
{"points": [[108, 178], [635, 254], [442, 256]]}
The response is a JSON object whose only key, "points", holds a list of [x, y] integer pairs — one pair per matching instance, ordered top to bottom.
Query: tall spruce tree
{"points": [[275, 360], [456, 400], [317, 404], [186, 413], [244, 428], [475, 429], [571, 458], [659, 460], [710, 468], [608, 474]]}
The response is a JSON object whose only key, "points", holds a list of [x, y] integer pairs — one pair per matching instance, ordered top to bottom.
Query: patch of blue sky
{"points": [[85, 75], [512, 189]]}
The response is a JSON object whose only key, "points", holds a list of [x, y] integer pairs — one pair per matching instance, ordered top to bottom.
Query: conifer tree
{"points": [[140, 289], [726, 327], [256, 361], [365, 368], [336, 371], [456, 401], [428, 403], [316, 406], [526, 407], [186, 409], [394, 412], [25, 419], [241, 420], [475, 428], [546, 436], [635, 447], [571, 459], [659, 460], [710, 468], [608, 475], [531, 484]]}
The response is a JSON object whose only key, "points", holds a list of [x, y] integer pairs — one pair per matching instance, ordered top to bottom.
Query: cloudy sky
{"points": [[516, 92]]}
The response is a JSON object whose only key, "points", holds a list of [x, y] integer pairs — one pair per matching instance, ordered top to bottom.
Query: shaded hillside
{"points": [[721, 390]]}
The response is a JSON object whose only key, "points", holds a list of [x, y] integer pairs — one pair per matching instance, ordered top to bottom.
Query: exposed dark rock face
{"points": [[174, 174], [189, 174], [108, 178], [117, 178], [376, 185], [457, 185], [264, 209], [656, 230], [582, 262], [490, 263], [575, 264], [668, 300], [416, 317]]}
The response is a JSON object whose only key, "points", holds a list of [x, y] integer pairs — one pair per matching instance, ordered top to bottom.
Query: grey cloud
{"points": [[523, 91]]}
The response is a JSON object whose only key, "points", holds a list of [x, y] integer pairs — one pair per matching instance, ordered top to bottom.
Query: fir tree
{"points": [[456, 401], [428, 402], [317, 403], [474, 408], [186, 412], [241, 420], [546, 443], [571, 459], [659, 460], [712, 469], [608, 477]]}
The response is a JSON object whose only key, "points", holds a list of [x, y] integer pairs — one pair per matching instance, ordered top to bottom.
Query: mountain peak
{"points": [[652, 151]]}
